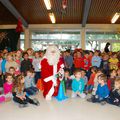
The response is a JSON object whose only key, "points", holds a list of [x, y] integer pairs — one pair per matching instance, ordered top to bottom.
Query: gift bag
{"points": [[40, 85]]}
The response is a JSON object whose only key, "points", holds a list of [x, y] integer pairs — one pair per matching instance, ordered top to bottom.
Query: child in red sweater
{"points": [[78, 60], [87, 62], [90, 83]]}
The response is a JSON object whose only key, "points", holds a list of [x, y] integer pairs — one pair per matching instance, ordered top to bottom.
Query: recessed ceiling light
{"points": [[47, 4], [52, 17], [115, 17]]}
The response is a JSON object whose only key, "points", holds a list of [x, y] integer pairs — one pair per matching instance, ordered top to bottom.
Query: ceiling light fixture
{"points": [[47, 4], [52, 17], [115, 17]]}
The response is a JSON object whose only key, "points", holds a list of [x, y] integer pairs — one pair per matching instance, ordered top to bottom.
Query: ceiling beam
{"points": [[87, 5], [14, 11]]}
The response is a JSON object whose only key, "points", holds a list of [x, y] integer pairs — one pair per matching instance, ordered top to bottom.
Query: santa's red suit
{"points": [[48, 75]]}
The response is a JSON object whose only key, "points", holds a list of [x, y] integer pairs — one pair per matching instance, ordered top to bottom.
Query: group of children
{"points": [[96, 75], [17, 77], [97, 89]]}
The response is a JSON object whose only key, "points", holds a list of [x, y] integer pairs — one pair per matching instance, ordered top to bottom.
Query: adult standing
{"points": [[106, 49], [51, 65]]}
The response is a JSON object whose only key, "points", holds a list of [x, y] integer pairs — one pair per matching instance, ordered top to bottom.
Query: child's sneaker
{"points": [[89, 99], [36, 102], [103, 103], [23, 105]]}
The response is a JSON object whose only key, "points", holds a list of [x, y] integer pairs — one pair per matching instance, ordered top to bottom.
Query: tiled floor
{"points": [[71, 109]]}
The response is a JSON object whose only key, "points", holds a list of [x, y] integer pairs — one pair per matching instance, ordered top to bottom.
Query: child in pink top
{"points": [[7, 88]]}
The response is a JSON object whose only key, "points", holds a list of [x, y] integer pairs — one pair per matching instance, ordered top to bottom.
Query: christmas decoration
{"points": [[64, 4], [19, 27]]}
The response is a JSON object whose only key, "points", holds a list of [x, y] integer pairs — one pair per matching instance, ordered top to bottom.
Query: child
{"points": [[30, 54], [18, 56], [90, 56], [78, 60], [96, 60], [18, 61], [68, 61], [87, 62], [113, 62], [10, 63], [3, 64], [25, 64], [105, 64], [36, 66], [12, 71], [99, 72], [118, 73], [83, 75], [67, 79], [1, 80], [110, 81], [90, 83], [8, 85], [78, 85], [30, 86], [102, 92], [7, 96], [19, 96], [114, 97]]}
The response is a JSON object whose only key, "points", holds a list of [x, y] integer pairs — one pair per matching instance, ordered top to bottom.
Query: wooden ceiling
{"points": [[102, 11], [35, 12], [6, 17]]}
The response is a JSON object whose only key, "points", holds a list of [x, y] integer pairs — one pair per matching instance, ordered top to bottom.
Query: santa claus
{"points": [[51, 67]]}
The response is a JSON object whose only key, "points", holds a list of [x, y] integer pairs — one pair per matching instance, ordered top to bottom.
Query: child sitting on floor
{"points": [[99, 72], [83, 75], [67, 79], [90, 83], [78, 85], [30, 86], [102, 92], [19, 95], [7, 96], [114, 97]]}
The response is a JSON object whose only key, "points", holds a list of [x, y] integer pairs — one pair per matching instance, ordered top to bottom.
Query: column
{"points": [[83, 34], [30, 38], [27, 39], [18, 45]]}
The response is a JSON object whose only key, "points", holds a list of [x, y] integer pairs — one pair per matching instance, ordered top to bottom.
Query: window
{"points": [[22, 38], [64, 39], [98, 40], [116, 47]]}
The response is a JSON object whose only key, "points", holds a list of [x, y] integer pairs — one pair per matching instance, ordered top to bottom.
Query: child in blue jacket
{"points": [[96, 59], [78, 85], [102, 92]]}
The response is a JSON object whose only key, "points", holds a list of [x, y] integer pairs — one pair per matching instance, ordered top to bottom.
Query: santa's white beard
{"points": [[52, 55], [53, 60]]}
